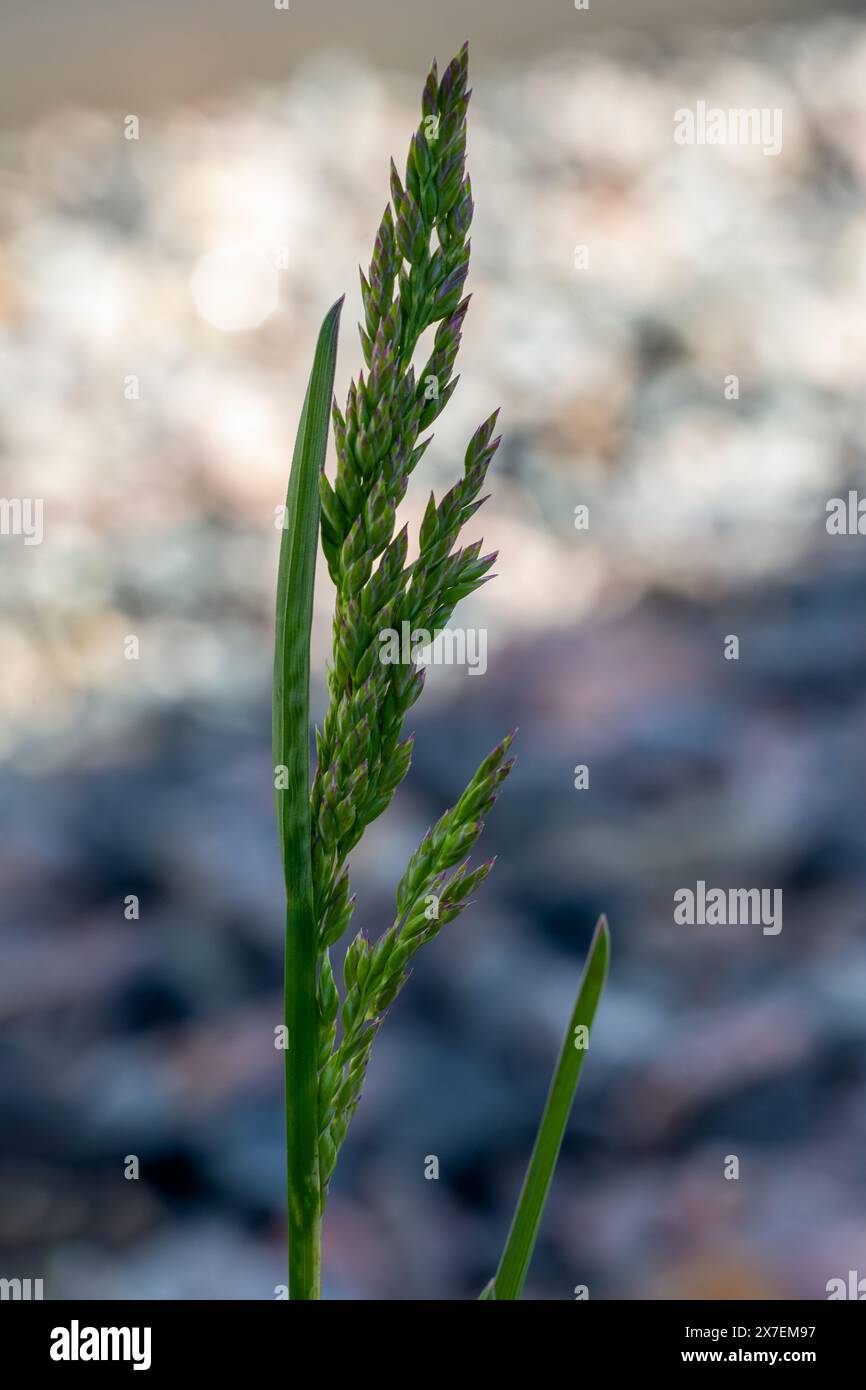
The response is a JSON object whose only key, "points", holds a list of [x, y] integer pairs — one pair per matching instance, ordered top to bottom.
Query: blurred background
{"points": [[159, 299]]}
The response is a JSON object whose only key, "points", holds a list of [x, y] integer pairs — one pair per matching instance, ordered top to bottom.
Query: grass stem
{"points": [[291, 754]]}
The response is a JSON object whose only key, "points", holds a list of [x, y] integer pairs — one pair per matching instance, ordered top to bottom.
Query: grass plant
{"points": [[415, 283]]}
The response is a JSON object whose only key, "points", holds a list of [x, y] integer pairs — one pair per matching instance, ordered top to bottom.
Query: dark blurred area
{"points": [[159, 298]]}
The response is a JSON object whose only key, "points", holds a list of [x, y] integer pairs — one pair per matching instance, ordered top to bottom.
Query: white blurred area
{"points": [[159, 300]]}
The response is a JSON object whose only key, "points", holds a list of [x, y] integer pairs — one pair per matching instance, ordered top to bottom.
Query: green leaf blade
{"points": [[295, 580], [291, 751], [511, 1274]]}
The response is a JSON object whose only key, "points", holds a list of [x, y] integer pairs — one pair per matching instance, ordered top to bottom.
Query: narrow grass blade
{"points": [[291, 754], [511, 1274]]}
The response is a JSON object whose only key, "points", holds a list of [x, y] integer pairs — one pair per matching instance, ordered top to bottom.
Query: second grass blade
{"points": [[291, 755], [511, 1274]]}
